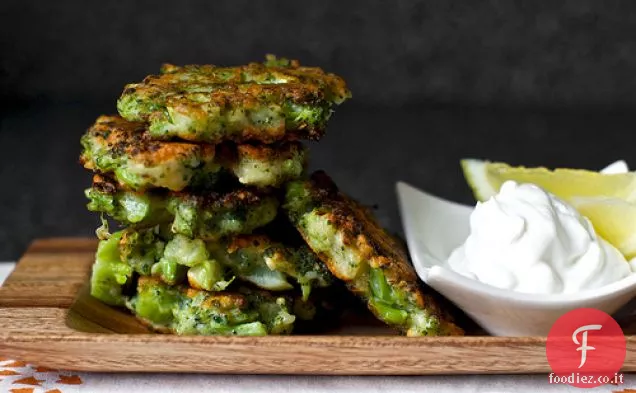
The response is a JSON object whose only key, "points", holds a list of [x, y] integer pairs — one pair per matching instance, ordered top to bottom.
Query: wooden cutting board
{"points": [[47, 317]]}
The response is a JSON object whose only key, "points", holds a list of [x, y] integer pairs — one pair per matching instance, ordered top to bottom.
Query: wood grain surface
{"points": [[48, 318]]}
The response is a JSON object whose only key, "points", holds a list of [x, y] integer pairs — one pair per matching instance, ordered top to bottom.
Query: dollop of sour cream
{"points": [[528, 240]]}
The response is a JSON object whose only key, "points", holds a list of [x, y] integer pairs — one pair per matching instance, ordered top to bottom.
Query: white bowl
{"points": [[434, 227]]}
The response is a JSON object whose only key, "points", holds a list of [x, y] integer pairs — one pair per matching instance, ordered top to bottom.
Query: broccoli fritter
{"points": [[269, 102], [125, 151], [264, 165], [128, 207], [206, 215], [216, 216], [358, 251], [156, 252], [207, 265], [269, 265], [110, 273], [187, 311]]}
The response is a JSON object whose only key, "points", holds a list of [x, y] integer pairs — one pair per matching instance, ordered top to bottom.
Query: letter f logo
{"points": [[584, 347]]}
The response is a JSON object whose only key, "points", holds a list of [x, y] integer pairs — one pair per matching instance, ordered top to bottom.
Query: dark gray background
{"points": [[529, 82]]}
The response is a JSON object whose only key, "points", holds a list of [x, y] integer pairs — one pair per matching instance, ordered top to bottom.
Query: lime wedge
{"points": [[485, 178], [613, 219]]}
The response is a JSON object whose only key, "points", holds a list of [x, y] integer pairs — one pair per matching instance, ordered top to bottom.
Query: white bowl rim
{"points": [[625, 284], [616, 288]]}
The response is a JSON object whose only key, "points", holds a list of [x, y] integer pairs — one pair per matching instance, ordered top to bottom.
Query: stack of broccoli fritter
{"points": [[222, 230]]}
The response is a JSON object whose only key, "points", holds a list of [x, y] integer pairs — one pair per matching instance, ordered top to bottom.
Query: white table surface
{"points": [[98, 382]]}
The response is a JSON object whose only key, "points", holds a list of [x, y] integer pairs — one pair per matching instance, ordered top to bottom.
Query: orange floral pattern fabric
{"points": [[20, 377]]}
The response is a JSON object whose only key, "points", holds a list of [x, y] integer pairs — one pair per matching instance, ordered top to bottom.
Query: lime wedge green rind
{"points": [[475, 173], [485, 178]]}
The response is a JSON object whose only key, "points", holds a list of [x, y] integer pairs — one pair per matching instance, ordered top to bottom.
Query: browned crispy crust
{"points": [[303, 84], [210, 96], [244, 96], [129, 139], [125, 151], [268, 152], [230, 153], [104, 185], [107, 185], [243, 197], [361, 231], [244, 241], [217, 300]]}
